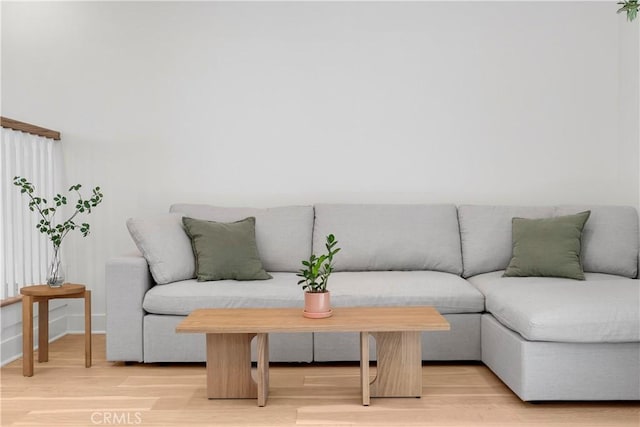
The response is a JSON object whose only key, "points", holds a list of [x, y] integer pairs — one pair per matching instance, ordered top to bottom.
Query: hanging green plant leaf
{"points": [[630, 7]]}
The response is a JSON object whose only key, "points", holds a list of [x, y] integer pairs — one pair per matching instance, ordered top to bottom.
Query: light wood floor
{"points": [[64, 393]]}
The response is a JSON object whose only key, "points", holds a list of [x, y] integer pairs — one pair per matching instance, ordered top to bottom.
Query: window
{"points": [[24, 251]]}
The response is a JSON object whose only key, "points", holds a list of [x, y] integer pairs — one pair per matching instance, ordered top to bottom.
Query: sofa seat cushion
{"points": [[494, 281], [447, 292], [181, 298], [602, 309]]}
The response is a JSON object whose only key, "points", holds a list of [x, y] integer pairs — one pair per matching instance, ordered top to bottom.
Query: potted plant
{"points": [[57, 232], [315, 276]]}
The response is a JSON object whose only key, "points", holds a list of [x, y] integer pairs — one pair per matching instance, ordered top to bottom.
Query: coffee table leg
{"points": [[43, 330], [27, 336], [399, 365], [229, 367], [263, 368], [364, 368]]}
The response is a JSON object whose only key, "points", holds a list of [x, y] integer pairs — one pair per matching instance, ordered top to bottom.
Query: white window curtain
{"points": [[24, 251]]}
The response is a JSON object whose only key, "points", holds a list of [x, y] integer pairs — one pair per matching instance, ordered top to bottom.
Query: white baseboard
{"points": [[75, 323], [11, 347]]}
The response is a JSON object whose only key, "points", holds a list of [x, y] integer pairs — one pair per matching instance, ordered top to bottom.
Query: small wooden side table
{"points": [[42, 294]]}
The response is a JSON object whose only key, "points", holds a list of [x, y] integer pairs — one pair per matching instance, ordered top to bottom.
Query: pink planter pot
{"points": [[317, 305]]}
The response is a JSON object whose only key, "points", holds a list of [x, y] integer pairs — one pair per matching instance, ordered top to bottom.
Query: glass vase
{"points": [[55, 272]]}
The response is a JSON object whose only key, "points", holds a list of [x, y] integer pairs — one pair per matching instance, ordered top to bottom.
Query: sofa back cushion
{"points": [[283, 234], [486, 235], [390, 237], [609, 238], [165, 245]]}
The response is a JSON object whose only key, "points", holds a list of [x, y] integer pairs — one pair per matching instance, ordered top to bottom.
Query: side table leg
{"points": [[43, 329], [87, 329], [27, 335], [263, 369]]}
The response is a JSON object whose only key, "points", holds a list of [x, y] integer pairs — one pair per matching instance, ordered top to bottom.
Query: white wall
{"points": [[629, 100], [266, 104]]}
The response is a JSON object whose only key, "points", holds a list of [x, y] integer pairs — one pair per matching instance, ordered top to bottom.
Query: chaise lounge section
{"points": [[554, 338]]}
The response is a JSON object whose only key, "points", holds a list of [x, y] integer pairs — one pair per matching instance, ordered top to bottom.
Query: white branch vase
{"points": [[55, 272]]}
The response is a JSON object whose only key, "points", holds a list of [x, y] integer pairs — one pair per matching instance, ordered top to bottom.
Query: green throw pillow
{"points": [[547, 247], [225, 250]]}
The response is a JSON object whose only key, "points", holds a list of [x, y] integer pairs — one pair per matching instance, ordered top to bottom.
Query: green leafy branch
{"points": [[630, 7], [57, 232], [315, 275]]}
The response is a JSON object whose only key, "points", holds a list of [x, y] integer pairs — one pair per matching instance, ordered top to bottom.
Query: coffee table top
{"points": [[344, 319]]}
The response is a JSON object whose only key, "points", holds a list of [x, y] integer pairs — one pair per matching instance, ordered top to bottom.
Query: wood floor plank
{"points": [[62, 392]]}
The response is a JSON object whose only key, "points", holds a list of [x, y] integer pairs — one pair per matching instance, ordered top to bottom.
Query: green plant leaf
{"points": [[630, 7], [39, 204], [318, 268]]}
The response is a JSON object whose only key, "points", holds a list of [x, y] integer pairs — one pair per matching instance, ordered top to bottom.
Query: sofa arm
{"points": [[127, 281]]}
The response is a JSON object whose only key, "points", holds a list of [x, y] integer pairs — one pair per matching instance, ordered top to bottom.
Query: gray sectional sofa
{"points": [[546, 338]]}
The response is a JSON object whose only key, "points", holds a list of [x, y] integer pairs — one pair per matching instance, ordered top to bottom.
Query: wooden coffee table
{"points": [[397, 331]]}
